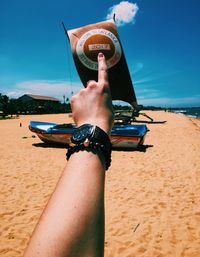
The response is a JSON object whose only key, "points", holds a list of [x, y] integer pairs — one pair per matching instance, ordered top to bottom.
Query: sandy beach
{"points": [[152, 196]]}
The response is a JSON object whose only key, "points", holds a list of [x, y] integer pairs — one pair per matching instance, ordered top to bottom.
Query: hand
{"points": [[93, 104]]}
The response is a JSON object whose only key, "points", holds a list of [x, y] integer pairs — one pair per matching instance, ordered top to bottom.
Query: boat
{"points": [[86, 42], [123, 136]]}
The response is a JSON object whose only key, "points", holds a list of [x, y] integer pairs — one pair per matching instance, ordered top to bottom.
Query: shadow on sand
{"points": [[50, 145], [141, 148]]}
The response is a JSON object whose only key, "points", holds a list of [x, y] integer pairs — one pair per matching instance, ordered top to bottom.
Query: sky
{"points": [[160, 38]]}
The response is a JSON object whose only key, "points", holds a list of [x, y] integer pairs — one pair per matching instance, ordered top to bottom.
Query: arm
{"points": [[73, 221]]}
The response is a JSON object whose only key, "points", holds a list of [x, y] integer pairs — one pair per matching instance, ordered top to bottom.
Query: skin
{"points": [[72, 223]]}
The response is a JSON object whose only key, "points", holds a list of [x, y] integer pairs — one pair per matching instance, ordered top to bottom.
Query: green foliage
{"points": [[4, 105], [17, 106]]}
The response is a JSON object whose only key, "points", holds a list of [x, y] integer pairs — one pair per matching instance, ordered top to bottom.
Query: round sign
{"points": [[95, 41]]}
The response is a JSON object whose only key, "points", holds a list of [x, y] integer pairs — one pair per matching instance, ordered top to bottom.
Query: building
{"points": [[37, 98], [39, 104]]}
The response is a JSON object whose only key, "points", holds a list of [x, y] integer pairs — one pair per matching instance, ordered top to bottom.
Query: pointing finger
{"points": [[102, 70]]}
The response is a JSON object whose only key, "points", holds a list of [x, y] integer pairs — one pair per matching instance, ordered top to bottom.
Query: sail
{"points": [[86, 42]]}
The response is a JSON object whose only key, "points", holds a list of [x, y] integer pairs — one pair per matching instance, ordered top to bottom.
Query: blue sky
{"points": [[161, 44]]}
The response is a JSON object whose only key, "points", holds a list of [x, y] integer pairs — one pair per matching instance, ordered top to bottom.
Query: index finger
{"points": [[102, 69]]}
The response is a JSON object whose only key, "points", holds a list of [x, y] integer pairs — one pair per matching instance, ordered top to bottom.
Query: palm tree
{"points": [[4, 101]]}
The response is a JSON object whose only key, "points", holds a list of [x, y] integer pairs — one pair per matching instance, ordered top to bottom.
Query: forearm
{"points": [[73, 221], [72, 224]]}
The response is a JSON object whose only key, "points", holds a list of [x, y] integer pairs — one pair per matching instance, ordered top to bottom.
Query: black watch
{"points": [[91, 138]]}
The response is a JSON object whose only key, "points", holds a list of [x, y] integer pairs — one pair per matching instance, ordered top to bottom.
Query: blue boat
{"points": [[122, 135]]}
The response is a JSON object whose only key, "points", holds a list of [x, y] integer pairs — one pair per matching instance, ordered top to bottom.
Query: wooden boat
{"points": [[104, 34], [122, 135]]}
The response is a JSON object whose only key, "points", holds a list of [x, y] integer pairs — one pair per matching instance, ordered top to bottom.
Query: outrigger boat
{"points": [[86, 42], [122, 135]]}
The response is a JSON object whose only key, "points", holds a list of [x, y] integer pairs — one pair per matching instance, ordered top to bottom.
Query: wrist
{"points": [[102, 125], [93, 139], [87, 154]]}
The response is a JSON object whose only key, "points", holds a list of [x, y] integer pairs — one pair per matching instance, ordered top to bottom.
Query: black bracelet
{"points": [[94, 147]]}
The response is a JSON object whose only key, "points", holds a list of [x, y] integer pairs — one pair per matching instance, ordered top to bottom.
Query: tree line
{"points": [[9, 106]]}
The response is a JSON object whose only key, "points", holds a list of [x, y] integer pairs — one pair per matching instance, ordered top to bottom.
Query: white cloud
{"points": [[125, 12], [138, 67], [45, 87], [15, 93], [146, 93], [145, 96], [155, 97], [170, 102]]}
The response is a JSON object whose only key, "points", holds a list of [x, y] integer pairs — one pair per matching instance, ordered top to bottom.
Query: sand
{"points": [[152, 196]]}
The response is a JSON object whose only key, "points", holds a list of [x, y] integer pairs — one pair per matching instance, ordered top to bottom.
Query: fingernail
{"points": [[100, 55]]}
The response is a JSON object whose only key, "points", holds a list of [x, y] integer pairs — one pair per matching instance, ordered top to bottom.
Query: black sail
{"points": [[86, 42]]}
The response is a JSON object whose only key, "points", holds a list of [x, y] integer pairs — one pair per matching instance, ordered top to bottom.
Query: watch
{"points": [[90, 138]]}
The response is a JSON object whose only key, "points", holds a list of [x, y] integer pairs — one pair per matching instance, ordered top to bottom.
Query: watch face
{"points": [[82, 133]]}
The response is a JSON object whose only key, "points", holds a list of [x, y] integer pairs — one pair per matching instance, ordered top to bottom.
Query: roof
{"points": [[41, 97]]}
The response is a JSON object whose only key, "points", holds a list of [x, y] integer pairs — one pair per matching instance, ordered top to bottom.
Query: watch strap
{"points": [[99, 142]]}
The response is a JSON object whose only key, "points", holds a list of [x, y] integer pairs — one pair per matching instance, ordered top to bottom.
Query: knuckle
{"points": [[103, 68], [91, 83], [106, 84], [100, 87], [81, 92], [73, 99]]}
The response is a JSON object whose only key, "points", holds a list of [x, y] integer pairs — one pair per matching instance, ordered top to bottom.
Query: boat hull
{"points": [[122, 136]]}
